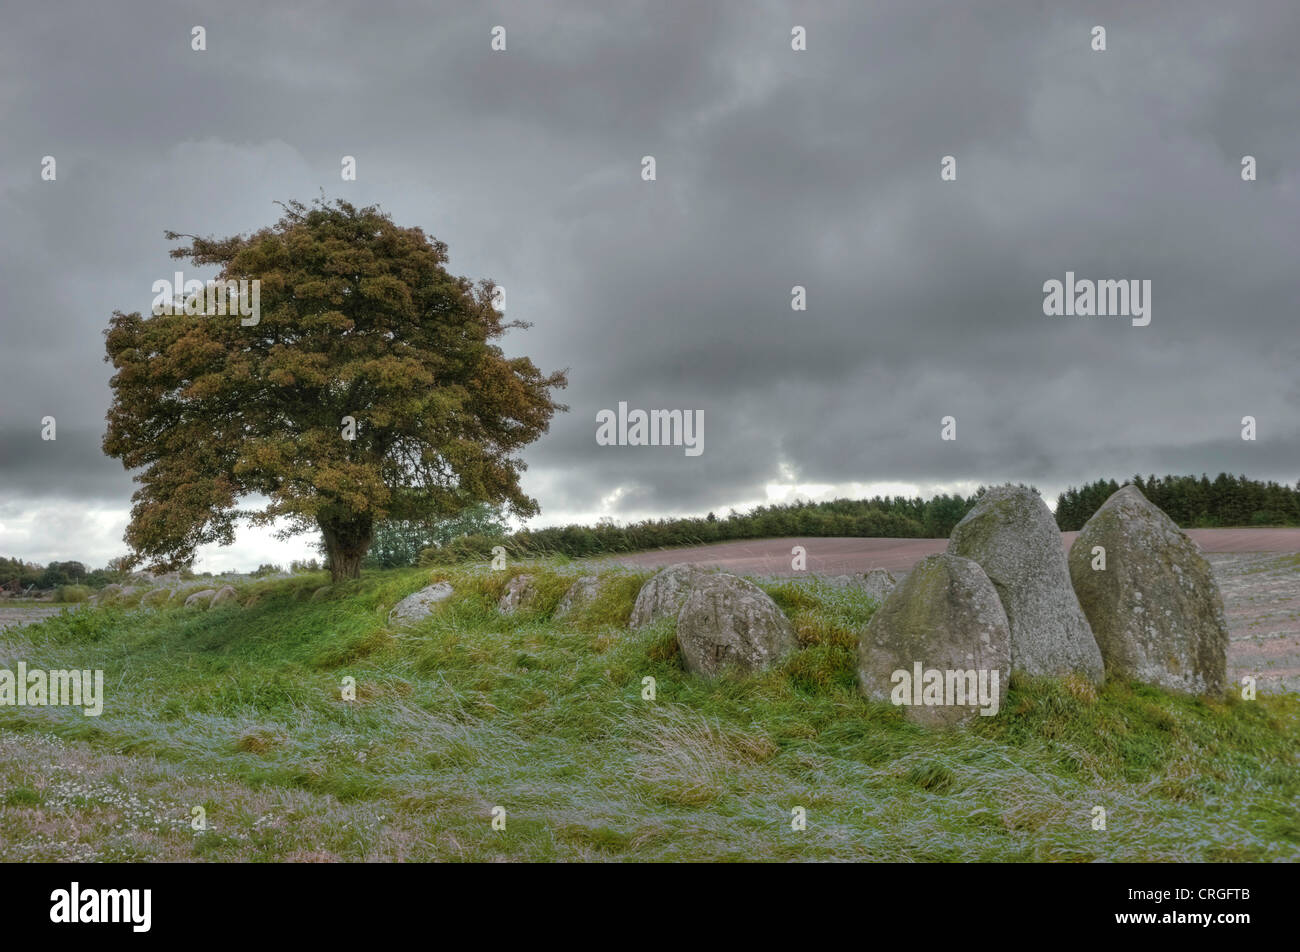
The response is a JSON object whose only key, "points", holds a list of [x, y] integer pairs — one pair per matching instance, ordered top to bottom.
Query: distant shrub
{"points": [[399, 544], [465, 548], [101, 577], [72, 593]]}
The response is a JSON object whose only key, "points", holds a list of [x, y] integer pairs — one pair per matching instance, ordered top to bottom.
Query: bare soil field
{"points": [[846, 556], [1260, 584], [1261, 597], [15, 613]]}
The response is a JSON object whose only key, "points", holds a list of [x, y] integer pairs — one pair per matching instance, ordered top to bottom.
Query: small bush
{"points": [[466, 548], [72, 593]]}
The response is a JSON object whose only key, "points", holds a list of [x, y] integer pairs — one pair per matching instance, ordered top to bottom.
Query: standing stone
{"points": [[1013, 537], [840, 581], [879, 583], [520, 593], [106, 594], [115, 594], [224, 594], [580, 594], [664, 594], [157, 596], [201, 599], [419, 604], [1155, 608], [945, 616], [729, 623]]}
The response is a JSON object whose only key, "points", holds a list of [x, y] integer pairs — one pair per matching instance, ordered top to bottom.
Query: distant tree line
{"points": [[1192, 502], [896, 517], [399, 543], [18, 576]]}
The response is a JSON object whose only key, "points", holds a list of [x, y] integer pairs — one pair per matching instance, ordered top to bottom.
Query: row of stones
{"points": [[154, 597], [1135, 600]]}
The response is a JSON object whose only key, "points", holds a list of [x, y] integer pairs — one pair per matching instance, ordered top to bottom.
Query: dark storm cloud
{"points": [[775, 168], [68, 467]]}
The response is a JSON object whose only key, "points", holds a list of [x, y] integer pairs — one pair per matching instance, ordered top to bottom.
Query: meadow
{"points": [[471, 714]]}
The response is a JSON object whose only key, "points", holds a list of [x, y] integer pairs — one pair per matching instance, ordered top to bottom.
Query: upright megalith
{"points": [[1011, 534], [663, 594], [225, 595], [1151, 597], [201, 599], [728, 623], [940, 644]]}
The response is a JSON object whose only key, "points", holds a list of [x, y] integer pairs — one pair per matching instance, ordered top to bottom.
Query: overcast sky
{"points": [[774, 168]]}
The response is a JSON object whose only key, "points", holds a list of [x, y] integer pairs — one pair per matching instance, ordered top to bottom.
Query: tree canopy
{"points": [[359, 319]]}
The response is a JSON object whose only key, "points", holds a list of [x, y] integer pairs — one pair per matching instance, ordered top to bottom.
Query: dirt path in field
{"points": [[1260, 585]]}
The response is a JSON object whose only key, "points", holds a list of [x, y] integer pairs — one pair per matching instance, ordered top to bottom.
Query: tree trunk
{"points": [[346, 543]]}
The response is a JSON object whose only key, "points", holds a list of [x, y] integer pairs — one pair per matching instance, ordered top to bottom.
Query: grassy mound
{"points": [[239, 711]]}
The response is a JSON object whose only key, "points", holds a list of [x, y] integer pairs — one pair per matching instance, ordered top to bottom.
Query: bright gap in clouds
{"points": [[62, 531]]}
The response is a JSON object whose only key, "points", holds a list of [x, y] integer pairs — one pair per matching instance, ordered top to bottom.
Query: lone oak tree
{"points": [[359, 318]]}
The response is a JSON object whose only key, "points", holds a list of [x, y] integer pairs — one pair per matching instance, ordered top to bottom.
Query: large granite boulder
{"points": [[1011, 534], [840, 581], [879, 583], [106, 594], [114, 594], [519, 594], [664, 594], [225, 595], [579, 596], [156, 597], [201, 599], [419, 605], [1155, 608], [728, 623], [940, 644]]}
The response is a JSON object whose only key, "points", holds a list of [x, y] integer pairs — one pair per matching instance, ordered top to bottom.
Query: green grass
{"points": [[239, 711]]}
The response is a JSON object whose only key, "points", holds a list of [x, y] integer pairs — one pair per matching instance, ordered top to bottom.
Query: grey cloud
{"points": [[775, 169]]}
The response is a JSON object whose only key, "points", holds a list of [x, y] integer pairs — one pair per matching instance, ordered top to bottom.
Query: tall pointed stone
{"points": [[1013, 537], [1154, 607], [944, 617]]}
